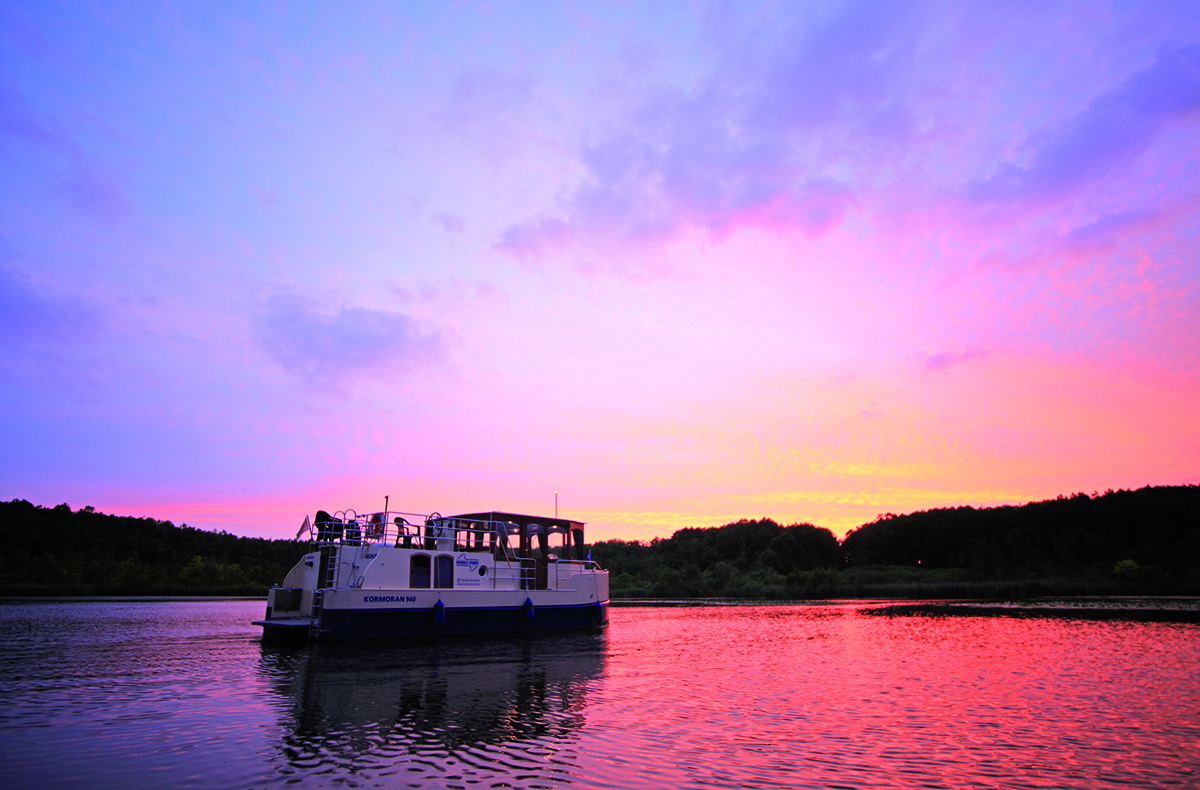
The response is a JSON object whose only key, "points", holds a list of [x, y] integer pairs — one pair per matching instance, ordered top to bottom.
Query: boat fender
{"points": [[529, 609], [599, 612], [439, 613]]}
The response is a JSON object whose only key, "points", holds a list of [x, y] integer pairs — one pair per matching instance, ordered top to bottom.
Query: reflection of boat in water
{"points": [[379, 575], [432, 706]]}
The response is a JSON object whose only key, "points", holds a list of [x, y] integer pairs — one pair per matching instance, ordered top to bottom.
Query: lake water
{"points": [[185, 694]]}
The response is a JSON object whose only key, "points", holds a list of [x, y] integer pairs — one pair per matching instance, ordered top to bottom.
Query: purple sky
{"points": [[683, 262]]}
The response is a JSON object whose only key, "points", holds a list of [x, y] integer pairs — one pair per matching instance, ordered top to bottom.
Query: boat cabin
{"points": [[488, 550]]}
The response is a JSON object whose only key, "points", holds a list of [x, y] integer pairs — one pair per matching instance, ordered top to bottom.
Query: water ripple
{"points": [[185, 695]]}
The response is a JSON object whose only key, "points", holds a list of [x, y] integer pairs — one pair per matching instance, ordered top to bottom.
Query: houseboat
{"points": [[389, 575]]}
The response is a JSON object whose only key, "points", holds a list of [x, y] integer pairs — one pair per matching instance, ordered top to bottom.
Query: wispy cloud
{"points": [[484, 96], [16, 120], [800, 125], [1115, 127], [778, 136], [754, 145], [86, 183], [97, 195], [451, 223], [31, 318], [331, 345], [946, 359]]}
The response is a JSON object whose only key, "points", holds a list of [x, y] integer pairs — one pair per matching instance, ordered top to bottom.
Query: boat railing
{"points": [[348, 528], [434, 532], [565, 570], [506, 576]]}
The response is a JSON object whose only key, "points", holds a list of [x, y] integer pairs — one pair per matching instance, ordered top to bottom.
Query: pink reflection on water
{"points": [[184, 694], [822, 696]]}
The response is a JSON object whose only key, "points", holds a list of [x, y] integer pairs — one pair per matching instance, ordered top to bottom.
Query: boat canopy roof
{"points": [[547, 523]]}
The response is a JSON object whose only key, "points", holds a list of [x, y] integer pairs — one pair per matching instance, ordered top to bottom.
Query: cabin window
{"points": [[443, 572], [418, 573]]}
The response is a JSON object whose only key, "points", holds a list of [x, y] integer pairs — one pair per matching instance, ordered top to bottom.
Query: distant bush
{"points": [[1146, 541], [1120, 542], [57, 551], [746, 559]]}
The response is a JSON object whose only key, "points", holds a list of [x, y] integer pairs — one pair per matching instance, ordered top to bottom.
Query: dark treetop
{"points": [[1120, 542], [57, 551]]}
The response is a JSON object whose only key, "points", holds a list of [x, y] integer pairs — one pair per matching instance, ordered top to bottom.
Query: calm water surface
{"points": [[184, 694]]}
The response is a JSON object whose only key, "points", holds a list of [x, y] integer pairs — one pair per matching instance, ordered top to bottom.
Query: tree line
{"points": [[1121, 542], [57, 551]]}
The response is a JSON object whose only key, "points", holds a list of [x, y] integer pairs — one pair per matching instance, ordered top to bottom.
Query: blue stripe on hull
{"points": [[398, 623]]}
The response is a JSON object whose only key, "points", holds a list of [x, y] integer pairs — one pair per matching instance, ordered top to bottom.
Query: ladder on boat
{"points": [[326, 578], [314, 624]]}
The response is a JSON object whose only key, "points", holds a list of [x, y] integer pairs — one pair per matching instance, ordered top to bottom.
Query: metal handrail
{"points": [[348, 528]]}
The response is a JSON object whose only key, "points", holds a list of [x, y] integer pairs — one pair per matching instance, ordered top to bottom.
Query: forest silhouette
{"points": [[1121, 542], [1144, 542]]}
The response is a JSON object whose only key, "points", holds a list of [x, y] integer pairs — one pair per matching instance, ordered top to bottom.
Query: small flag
{"points": [[305, 527], [589, 555]]}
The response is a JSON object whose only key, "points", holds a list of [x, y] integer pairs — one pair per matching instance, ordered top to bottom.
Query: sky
{"points": [[682, 263]]}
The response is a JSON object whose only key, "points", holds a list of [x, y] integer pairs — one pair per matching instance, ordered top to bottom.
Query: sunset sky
{"points": [[682, 262]]}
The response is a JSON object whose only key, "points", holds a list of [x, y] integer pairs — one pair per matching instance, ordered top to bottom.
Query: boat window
{"points": [[444, 571], [418, 574]]}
